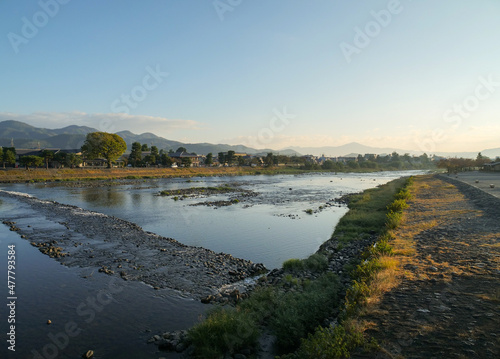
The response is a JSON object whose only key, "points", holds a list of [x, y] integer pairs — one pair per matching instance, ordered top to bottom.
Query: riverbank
{"points": [[131, 173], [63, 175]]}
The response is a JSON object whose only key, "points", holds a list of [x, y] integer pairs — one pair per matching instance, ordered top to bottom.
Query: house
{"points": [[39, 152], [347, 159], [196, 160], [492, 166]]}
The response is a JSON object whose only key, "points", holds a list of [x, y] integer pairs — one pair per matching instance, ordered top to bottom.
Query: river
{"points": [[268, 228]]}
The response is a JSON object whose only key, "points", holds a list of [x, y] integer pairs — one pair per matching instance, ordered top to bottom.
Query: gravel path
{"points": [[488, 182], [77, 237], [448, 303]]}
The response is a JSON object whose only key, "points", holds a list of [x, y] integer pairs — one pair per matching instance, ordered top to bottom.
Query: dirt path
{"points": [[448, 302]]}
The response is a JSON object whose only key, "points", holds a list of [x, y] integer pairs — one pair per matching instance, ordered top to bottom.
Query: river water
{"points": [[89, 311]]}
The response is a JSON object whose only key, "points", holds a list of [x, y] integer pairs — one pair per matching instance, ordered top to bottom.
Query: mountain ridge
{"points": [[73, 136]]}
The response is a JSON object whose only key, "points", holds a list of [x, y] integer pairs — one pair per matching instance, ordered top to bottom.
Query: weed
{"points": [[293, 265], [223, 331]]}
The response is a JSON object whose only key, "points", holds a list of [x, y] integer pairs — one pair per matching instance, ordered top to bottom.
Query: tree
{"points": [[110, 146], [145, 147], [181, 149], [154, 152], [47, 155], [9, 156], [135, 157], [230, 157], [222, 158], [210, 159], [72, 160], [150, 160], [166, 160], [269, 160], [481, 160], [31, 161], [186, 161]]}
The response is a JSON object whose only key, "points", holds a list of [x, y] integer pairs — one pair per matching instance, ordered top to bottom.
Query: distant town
{"points": [[102, 150]]}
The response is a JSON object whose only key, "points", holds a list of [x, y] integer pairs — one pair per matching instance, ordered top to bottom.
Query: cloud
{"points": [[106, 122]]}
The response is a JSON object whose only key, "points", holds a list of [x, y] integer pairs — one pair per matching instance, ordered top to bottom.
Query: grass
{"points": [[83, 174], [368, 212], [377, 273], [290, 315], [225, 330]]}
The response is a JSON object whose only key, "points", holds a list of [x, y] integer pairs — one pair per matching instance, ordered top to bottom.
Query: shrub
{"points": [[397, 205], [309, 211], [393, 219], [316, 262], [293, 265], [298, 313], [224, 331], [331, 343]]}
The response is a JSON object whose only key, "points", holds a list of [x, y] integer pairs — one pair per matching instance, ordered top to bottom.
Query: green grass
{"points": [[367, 212], [315, 263], [224, 331], [340, 341]]}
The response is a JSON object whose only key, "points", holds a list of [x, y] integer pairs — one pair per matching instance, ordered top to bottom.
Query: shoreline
{"points": [[66, 175]]}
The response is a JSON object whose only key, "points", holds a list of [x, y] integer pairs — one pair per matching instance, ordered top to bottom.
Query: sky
{"points": [[416, 75]]}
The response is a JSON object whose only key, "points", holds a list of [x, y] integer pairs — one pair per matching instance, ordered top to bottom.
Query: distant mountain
{"points": [[71, 137], [348, 149]]}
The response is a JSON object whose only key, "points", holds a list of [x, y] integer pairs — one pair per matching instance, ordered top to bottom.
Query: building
{"points": [[196, 160], [492, 166]]}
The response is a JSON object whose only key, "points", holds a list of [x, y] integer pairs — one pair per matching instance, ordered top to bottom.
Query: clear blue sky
{"points": [[407, 74]]}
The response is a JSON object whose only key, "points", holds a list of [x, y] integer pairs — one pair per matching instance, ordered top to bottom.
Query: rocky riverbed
{"points": [[82, 238]]}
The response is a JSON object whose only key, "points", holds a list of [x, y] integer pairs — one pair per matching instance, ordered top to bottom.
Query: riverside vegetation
{"points": [[309, 307]]}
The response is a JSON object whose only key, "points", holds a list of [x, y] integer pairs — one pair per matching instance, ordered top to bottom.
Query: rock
{"points": [[179, 348]]}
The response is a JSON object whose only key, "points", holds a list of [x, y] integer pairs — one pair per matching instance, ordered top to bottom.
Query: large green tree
{"points": [[109, 146]]}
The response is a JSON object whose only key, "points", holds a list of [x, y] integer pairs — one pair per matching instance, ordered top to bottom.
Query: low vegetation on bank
{"points": [[294, 309]]}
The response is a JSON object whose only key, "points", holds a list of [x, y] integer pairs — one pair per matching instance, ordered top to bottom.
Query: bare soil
{"points": [[447, 304]]}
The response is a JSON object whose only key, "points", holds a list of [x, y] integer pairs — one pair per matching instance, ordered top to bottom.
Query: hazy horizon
{"points": [[420, 76]]}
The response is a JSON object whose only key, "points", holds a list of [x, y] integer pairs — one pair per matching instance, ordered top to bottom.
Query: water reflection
{"points": [[103, 197]]}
